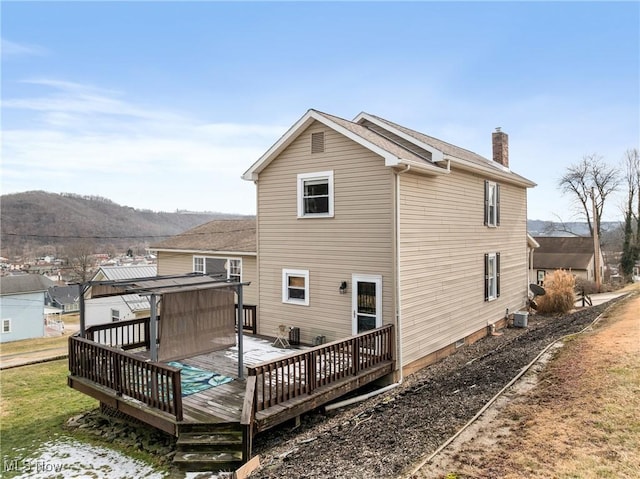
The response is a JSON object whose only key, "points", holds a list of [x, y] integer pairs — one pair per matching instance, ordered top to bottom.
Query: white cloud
{"points": [[10, 49], [92, 141]]}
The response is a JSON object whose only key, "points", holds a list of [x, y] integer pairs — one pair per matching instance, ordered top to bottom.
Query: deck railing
{"points": [[249, 316], [134, 333], [129, 334], [303, 373], [156, 385]]}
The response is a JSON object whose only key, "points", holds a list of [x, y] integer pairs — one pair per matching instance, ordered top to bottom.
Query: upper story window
{"points": [[315, 195], [491, 203], [224, 268], [491, 276], [295, 286]]}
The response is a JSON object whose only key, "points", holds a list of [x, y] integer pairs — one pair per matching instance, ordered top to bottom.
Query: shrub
{"points": [[588, 286], [560, 295]]}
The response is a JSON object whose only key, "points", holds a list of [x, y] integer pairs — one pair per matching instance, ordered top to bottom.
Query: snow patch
{"points": [[77, 460]]}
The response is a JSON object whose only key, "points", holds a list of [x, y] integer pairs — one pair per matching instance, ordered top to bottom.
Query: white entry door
{"points": [[366, 302]]}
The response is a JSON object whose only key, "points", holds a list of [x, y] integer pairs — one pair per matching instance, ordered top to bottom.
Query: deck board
{"points": [[224, 403]]}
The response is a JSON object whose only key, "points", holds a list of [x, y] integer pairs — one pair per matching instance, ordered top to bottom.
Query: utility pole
{"points": [[596, 242]]}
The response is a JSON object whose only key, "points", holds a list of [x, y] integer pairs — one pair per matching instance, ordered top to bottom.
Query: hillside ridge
{"points": [[36, 220]]}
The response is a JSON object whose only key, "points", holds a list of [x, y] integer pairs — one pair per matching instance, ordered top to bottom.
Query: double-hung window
{"points": [[315, 195], [491, 203], [222, 268], [491, 276], [295, 286], [115, 315], [6, 325]]}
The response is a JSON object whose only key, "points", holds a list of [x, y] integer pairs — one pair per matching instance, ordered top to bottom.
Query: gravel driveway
{"points": [[385, 435]]}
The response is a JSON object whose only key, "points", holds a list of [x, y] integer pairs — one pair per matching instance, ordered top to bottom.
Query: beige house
{"points": [[363, 223], [226, 248], [572, 253]]}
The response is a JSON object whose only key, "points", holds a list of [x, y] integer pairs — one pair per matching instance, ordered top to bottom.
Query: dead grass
{"points": [[559, 296], [39, 344], [583, 418]]}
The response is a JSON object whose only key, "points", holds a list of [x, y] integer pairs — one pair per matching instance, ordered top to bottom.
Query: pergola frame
{"points": [[154, 287]]}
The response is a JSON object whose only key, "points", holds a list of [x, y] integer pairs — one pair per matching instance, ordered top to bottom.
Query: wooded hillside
{"points": [[37, 222]]}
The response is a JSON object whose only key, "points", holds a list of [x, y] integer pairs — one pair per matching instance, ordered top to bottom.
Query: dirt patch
{"points": [[581, 420], [385, 435]]}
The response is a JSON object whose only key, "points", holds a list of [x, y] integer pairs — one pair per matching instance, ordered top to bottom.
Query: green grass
{"points": [[36, 403]]}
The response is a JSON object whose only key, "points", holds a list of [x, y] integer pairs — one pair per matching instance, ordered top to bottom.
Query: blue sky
{"points": [[163, 106]]}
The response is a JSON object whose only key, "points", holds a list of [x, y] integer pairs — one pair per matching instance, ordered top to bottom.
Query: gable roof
{"points": [[380, 140], [393, 154], [460, 156], [228, 236], [563, 252], [112, 273], [24, 283], [65, 294], [135, 302]]}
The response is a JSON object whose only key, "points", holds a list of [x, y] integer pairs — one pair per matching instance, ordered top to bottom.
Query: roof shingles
{"points": [[218, 235]]}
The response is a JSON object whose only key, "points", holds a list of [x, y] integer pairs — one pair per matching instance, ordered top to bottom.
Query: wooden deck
{"points": [[270, 392]]}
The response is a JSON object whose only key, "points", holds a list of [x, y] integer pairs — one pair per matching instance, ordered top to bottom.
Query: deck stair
{"points": [[209, 447]]}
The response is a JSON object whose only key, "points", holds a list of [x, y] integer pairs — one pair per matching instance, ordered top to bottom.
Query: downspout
{"points": [[398, 276], [371, 394]]}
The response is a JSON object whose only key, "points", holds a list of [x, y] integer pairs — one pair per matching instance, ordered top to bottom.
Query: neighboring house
{"points": [[363, 223], [226, 248], [572, 253], [66, 298], [22, 299], [118, 308]]}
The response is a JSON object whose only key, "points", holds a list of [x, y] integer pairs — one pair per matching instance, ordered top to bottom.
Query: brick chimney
{"points": [[500, 142]]}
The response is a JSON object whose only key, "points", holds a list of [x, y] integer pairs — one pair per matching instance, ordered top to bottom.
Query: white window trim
{"points": [[320, 175], [492, 220], [226, 258], [285, 286], [115, 313], [6, 321]]}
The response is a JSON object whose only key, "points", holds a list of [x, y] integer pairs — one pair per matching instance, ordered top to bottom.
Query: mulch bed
{"points": [[385, 435]]}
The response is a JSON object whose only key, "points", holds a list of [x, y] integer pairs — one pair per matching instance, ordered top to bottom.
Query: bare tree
{"points": [[591, 174], [631, 245], [80, 259]]}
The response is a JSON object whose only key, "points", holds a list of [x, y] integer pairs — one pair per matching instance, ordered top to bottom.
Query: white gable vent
{"points": [[317, 142]]}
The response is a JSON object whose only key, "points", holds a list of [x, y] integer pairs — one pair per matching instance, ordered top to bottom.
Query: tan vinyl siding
{"points": [[358, 239], [442, 247], [174, 263], [182, 263]]}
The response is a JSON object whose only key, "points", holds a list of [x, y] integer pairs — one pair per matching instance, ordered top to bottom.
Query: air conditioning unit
{"points": [[520, 319], [294, 336], [318, 340]]}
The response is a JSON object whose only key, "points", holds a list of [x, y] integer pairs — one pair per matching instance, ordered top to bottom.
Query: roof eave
{"points": [[285, 140], [436, 155], [414, 166], [254, 171], [506, 175], [202, 251]]}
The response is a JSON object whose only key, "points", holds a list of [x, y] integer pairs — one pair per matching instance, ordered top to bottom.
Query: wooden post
{"points": [[83, 290], [240, 327], [153, 330]]}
